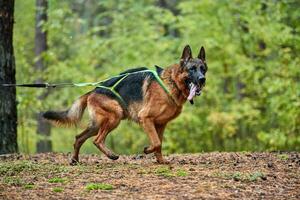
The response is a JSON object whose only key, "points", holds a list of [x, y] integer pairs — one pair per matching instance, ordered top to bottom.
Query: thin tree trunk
{"points": [[8, 109], [43, 127]]}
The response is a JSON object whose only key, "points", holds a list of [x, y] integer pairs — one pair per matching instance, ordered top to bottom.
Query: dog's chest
{"points": [[168, 113]]}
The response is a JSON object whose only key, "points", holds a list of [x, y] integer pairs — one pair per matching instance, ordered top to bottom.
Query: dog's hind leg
{"points": [[108, 114], [108, 124], [80, 139]]}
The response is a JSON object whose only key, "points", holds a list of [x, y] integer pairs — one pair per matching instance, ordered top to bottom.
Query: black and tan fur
{"points": [[146, 103]]}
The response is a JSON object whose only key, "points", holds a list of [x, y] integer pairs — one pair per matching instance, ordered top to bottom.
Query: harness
{"points": [[112, 88]]}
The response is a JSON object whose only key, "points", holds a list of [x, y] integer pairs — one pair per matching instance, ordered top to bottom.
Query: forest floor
{"points": [[188, 176]]}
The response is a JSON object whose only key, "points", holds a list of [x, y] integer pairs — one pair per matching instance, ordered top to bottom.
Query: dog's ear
{"points": [[201, 54], [186, 55], [159, 69]]}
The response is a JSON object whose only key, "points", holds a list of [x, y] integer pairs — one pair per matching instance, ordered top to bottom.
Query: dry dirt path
{"points": [[189, 176]]}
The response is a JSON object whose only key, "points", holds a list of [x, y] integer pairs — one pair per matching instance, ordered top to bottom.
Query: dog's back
{"points": [[129, 89]]}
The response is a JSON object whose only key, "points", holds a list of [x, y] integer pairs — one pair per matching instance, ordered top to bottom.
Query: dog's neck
{"points": [[175, 79]]}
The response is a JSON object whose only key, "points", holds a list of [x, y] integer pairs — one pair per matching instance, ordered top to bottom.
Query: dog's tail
{"points": [[71, 116]]}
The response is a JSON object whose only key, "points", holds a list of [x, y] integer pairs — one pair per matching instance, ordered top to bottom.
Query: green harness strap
{"points": [[161, 83], [112, 88]]}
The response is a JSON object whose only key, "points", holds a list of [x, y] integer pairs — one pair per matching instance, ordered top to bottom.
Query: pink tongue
{"points": [[192, 92]]}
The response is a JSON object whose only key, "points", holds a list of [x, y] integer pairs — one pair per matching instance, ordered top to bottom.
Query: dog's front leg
{"points": [[149, 128], [160, 131]]}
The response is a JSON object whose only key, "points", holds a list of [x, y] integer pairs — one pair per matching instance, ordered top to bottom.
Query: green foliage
{"points": [[251, 101], [98, 186]]}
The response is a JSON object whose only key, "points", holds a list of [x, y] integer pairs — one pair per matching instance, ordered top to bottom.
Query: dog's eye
{"points": [[193, 68], [202, 68]]}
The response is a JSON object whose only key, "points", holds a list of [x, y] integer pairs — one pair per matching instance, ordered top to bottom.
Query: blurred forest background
{"points": [[251, 101]]}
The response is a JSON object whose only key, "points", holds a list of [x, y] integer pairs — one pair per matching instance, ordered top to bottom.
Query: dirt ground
{"points": [[188, 176]]}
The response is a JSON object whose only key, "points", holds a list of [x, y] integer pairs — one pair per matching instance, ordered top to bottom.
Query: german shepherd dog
{"points": [[144, 101]]}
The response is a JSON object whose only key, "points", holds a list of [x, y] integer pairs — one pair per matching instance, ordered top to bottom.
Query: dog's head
{"points": [[195, 69]]}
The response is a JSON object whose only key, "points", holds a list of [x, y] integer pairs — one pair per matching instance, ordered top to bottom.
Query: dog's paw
{"points": [[148, 150], [113, 157], [73, 162], [163, 162]]}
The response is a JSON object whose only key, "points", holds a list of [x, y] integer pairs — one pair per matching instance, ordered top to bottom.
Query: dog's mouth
{"points": [[194, 90]]}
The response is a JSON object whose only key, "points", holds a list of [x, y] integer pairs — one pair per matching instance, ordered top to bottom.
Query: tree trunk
{"points": [[8, 109], [43, 127]]}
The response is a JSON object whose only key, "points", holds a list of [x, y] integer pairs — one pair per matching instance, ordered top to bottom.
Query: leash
{"points": [[97, 84], [38, 85], [54, 85]]}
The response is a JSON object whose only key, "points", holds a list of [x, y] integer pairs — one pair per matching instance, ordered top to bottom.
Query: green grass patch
{"points": [[283, 156], [14, 168], [164, 171], [167, 172], [181, 172], [237, 176], [255, 176], [56, 180], [15, 181], [29, 186], [98, 186], [57, 189]]}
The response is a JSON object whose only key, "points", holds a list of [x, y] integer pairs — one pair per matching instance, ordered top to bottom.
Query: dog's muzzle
{"points": [[195, 89]]}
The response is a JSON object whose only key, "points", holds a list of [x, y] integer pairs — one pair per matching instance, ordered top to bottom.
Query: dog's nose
{"points": [[202, 80]]}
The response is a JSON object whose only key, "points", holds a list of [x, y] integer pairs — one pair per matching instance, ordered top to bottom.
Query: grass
{"points": [[283, 156], [14, 168], [164, 171], [167, 172], [181, 172], [256, 175], [237, 176], [56, 180], [15, 181], [29, 186], [98, 186], [57, 189]]}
